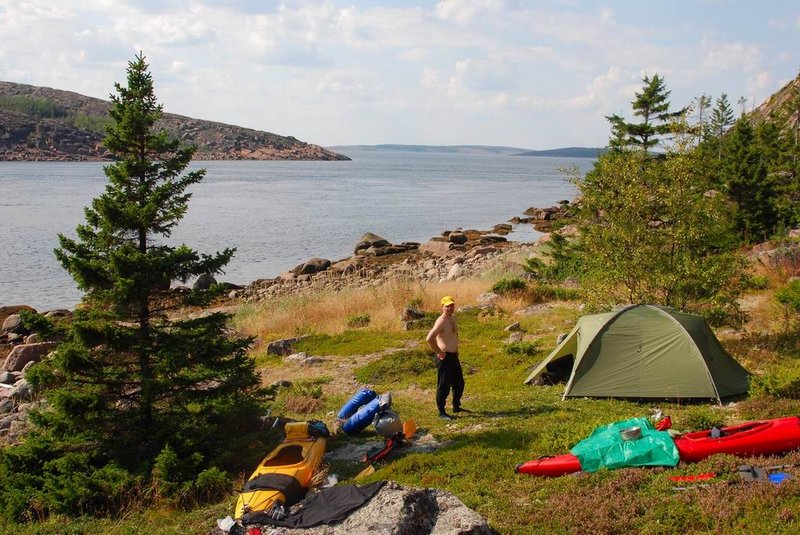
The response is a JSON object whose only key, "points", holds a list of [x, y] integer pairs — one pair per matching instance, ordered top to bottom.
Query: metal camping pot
{"points": [[631, 433]]}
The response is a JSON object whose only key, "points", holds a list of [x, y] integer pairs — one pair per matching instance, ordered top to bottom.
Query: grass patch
{"points": [[352, 342], [397, 370]]}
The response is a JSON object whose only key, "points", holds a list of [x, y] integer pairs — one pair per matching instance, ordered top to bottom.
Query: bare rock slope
{"points": [[44, 124]]}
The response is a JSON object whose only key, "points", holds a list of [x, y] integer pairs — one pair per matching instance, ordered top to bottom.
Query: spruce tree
{"points": [[652, 105], [745, 173], [131, 385]]}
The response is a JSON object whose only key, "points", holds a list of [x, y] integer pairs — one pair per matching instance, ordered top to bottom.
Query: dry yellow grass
{"points": [[327, 313]]}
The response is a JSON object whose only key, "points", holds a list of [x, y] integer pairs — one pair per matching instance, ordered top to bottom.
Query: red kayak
{"points": [[766, 437], [551, 466]]}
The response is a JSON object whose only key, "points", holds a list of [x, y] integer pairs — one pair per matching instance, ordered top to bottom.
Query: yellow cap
{"points": [[447, 301]]}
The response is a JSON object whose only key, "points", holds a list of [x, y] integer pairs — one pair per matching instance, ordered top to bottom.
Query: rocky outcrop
{"points": [[71, 128], [543, 219]]}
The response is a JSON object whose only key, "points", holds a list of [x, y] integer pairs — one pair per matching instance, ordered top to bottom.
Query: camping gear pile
{"points": [[367, 407], [282, 479]]}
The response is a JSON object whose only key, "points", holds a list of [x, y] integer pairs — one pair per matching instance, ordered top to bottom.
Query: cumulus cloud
{"points": [[738, 56], [482, 75]]}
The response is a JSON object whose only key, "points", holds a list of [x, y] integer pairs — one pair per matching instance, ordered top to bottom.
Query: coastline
{"points": [[451, 255]]}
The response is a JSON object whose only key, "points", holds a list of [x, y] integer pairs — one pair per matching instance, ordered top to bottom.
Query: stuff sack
{"points": [[362, 397], [362, 418]]}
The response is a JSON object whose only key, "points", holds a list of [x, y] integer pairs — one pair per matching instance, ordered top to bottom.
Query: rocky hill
{"points": [[783, 102], [44, 124]]}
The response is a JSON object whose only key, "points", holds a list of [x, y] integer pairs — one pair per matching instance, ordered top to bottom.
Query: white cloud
{"points": [[467, 11], [738, 56], [482, 75], [346, 83], [760, 85]]}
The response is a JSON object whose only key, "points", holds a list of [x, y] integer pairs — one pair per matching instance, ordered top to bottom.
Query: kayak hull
{"points": [[765, 437], [297, 458], [551, 466]]}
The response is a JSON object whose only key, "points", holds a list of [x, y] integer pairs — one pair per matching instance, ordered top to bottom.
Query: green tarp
{"points": [[605, 448]]}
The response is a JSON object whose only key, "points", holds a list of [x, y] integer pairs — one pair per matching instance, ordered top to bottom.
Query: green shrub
{"points": [[90, 122], [565, 260], [534, 266], [754, 282], [509, 285], [548, 291], [789, 296], [358, 320], [524, 348], [781, 381], [311, 388], [699, 418], [211, 485]]}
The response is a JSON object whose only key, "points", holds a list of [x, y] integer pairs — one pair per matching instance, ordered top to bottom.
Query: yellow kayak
{"points": [[284, 476]]}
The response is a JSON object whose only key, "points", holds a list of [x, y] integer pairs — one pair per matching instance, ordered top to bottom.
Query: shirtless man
{"points": [[443, 339]]}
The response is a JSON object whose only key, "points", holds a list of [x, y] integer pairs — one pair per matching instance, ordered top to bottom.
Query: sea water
{"points": [[277, 214]]}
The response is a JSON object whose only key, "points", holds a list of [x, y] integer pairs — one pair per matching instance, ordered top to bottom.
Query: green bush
{"points": [[90, 122], [564, 260], [534, 266], [754, 282], [509, 285], [548, 291], [789, 296], [355, 321], [526, 349], [782, 381], [311, 388], [699, 418], [211, 485]]}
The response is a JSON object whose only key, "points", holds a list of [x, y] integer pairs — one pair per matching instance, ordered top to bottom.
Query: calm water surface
{"points": [[277, 214]]}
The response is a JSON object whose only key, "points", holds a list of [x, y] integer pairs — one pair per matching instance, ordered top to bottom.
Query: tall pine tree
{"points": [[130, 383]]}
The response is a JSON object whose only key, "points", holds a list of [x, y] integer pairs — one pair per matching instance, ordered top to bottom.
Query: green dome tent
{"points": [[643, 351]]}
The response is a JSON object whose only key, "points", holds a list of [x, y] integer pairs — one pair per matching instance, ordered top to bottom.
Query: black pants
{"points": [[449, 376]]}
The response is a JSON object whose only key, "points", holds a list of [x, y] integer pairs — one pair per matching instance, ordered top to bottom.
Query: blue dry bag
{"points": [[365, 395], [362, 418]]}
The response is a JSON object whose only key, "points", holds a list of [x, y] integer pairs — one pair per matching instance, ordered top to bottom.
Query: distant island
{"points": [[44, 124], [567, 152]]}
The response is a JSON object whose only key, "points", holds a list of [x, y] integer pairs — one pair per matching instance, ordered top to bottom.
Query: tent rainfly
{"points": [[643, 351]]}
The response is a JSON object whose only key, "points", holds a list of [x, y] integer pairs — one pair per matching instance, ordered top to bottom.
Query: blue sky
{"points": [[529, 74]]}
